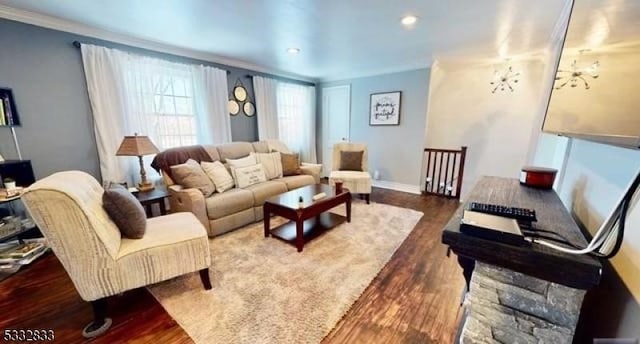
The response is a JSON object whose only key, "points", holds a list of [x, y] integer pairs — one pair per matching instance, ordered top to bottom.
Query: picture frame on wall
{"points": [[384, 108]]}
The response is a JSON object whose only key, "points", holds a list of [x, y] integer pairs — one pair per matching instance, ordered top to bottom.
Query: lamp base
{"points": [[145, 186]]}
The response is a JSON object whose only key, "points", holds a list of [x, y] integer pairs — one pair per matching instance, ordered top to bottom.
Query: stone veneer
{"points": [[505, 306]]}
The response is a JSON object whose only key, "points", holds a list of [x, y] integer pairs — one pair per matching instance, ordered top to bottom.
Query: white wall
{"points": [[496, 128]]}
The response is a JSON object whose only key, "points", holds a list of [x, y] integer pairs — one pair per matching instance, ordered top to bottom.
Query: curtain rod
{"points": [[77, 44]]}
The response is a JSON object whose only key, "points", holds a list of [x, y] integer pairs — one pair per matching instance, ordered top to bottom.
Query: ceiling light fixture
{"points": [[409, 20], [293, 50], [575, 74], [504, 79]]}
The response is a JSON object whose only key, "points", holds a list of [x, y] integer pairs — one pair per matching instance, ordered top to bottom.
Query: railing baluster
{"points": [[436, 162]]}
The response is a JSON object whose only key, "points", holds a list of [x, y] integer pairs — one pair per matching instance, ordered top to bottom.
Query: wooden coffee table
{"points": [[309, 221]]}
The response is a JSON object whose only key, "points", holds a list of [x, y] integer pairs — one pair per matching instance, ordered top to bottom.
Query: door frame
{"points": [[325, 124]]}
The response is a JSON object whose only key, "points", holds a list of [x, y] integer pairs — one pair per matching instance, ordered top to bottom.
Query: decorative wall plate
{"points": [[240, 93], [234, 107], [249, 109]]}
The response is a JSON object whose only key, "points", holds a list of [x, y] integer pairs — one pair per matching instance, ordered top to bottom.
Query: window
{"points": [[169, 106], [296, 118]]}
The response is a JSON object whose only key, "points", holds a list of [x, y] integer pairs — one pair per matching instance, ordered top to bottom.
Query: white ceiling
{"points": [[338, 38]]}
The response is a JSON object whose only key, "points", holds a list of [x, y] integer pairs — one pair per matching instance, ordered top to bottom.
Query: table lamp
{"points": [[138, 146]]}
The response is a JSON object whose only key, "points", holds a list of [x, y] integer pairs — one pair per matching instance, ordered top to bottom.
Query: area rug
{"points": [[264, 291]]}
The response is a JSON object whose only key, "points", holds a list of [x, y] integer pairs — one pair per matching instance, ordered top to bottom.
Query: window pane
{"points": [[179, 87], [168, 106], [183, 106]]}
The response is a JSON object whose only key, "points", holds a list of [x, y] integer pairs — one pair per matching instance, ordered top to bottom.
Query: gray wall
{"points": [[45, 72], [396, 151]]}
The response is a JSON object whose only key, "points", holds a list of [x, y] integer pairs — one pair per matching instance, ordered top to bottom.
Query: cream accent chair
{"points": [[358, 182], [67, 207]]}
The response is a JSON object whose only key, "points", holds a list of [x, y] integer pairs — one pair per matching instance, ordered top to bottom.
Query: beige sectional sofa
{"points": [[223, 212]]}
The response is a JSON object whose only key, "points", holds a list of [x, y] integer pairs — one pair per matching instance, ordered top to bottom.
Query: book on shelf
{"points": [[2, 113], [8, 115], [16, 253]]}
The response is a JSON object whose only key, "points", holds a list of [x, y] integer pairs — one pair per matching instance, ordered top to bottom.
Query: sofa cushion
{"points": [[261, 146], [212, 150], [234, 150], [351, 160], [271, 163], [290, 164], [218, 174], [191, 175], [249, 175], [294, 182], [266, 190], [229, 202], [125, 211], [165, 230]]}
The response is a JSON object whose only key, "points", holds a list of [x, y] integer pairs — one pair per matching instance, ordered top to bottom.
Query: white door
{"points": [[336, 110]]}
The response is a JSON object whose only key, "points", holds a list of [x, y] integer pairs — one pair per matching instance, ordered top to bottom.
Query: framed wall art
{"points": [[384, 108]]}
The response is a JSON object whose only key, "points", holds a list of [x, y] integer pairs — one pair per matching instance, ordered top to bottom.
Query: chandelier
{"points": [[574, 75], [504, 79]]}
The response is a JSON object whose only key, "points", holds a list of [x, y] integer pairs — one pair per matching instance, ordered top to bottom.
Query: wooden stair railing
{"points": [[444, 171]]}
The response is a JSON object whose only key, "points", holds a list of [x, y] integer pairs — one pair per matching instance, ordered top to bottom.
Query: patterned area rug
{"points": [[264, 291]]}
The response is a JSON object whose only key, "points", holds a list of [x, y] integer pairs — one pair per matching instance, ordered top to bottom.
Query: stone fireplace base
{"points": [[504, 306]]}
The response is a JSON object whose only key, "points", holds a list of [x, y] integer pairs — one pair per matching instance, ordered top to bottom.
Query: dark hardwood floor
{"points": [[414, 299]]}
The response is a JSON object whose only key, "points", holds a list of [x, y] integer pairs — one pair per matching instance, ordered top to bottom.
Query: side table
{"points": [[149, 198]]}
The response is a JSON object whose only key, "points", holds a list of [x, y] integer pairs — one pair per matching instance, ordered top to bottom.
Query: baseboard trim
{"points": [[385, 184]]}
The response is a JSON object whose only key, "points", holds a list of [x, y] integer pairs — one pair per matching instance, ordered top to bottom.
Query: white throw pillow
{"points": [[242, 162], [271, 163], [218, 175], [249, 175]]}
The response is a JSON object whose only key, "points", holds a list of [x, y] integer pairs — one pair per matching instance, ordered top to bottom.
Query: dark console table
{"points": [[532, 293]]}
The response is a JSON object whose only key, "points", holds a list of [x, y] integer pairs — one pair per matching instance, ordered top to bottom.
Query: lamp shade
{"points": [[136, 146]]}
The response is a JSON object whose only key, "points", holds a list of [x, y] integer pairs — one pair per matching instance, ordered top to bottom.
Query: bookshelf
{"points": [[8, 111]]}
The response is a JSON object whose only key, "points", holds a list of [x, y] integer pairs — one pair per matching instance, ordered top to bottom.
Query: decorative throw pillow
{"points": [[351, 160], [242, 162], [271, 163], [290, 164], [191, 175], [218, 175], [249, 175], [125, 211]]}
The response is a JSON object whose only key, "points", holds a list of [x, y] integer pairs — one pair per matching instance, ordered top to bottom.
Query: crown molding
{"points": [[59, 24], [377, 72]]}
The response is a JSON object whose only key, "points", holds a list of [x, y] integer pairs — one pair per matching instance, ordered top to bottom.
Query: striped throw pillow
{"points": [[271, 163]]}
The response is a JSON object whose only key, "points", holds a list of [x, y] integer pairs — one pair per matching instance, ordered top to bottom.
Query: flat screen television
{"points": [[596, 94]]}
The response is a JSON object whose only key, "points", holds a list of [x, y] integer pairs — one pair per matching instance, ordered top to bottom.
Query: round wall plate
{"points": [[240, 93], [234, 107], [249, 109]]}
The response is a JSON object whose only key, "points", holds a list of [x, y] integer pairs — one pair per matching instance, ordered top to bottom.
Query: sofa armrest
{"points": [[312, 170], [188, 200]]}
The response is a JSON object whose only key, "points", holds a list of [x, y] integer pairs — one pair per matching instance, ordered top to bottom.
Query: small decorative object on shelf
{"points": [[138, 146], [9, 184], [300, 202], [14, 254]]}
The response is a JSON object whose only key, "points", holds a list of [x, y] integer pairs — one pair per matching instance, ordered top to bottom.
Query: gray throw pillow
{"points": [[351, 160], [191, 175], [125, 211]]}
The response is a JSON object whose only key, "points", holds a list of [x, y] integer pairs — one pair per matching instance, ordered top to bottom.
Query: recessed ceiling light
{"points": [[409, 20], [293, 50]]}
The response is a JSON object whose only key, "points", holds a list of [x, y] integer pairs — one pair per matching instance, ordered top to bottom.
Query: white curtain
{"points": [[266, 92], [149, 96], [287, 111], [297, 119]]}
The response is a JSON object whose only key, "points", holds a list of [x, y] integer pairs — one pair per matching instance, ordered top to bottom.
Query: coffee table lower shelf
{"points": [[313, 227]]}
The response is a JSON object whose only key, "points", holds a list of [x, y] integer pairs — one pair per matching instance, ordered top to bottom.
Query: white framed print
{"points": [[384, 108]]}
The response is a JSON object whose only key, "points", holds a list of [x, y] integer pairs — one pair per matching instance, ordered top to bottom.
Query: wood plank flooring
{"points": [[414, 299]]}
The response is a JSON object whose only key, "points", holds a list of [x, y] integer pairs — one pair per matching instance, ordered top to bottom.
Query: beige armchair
{"points": [[358, 182], [67, 207]]}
